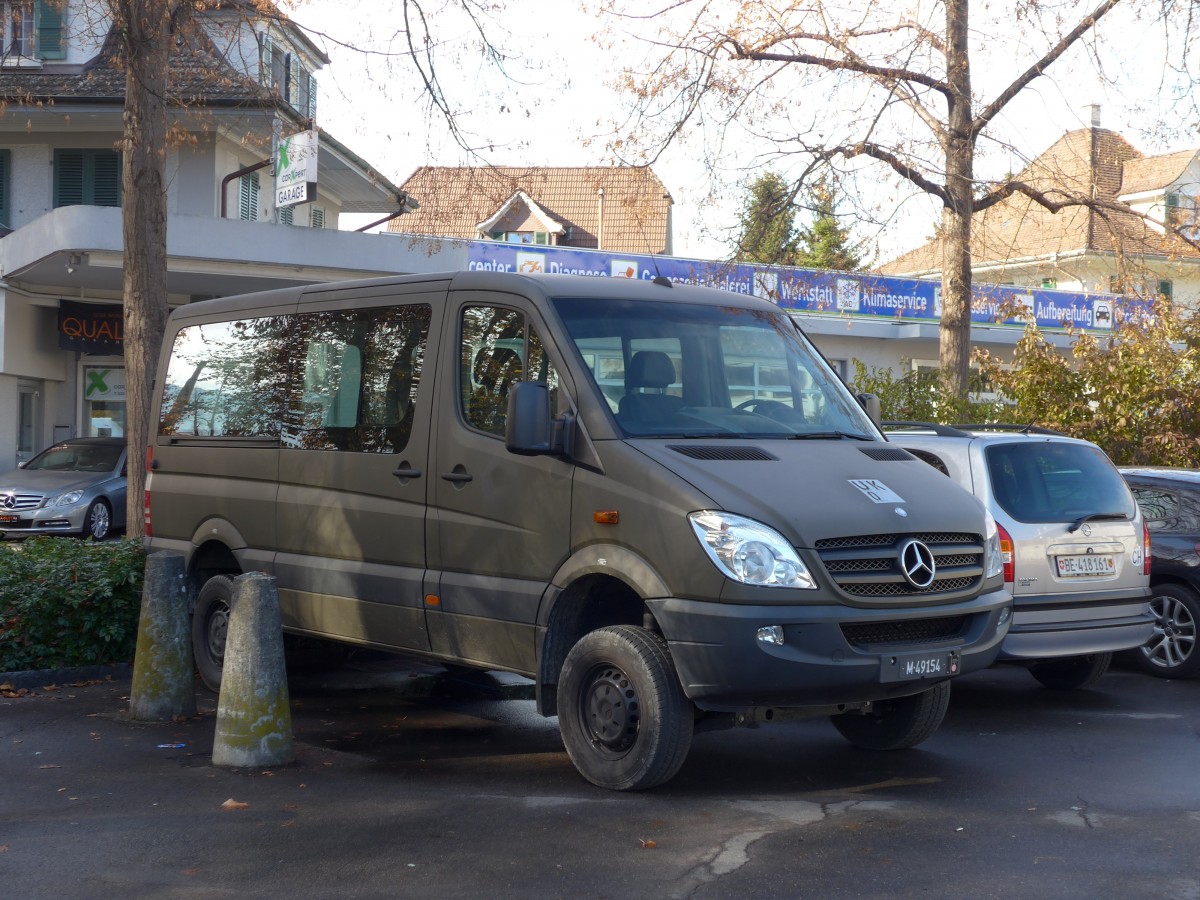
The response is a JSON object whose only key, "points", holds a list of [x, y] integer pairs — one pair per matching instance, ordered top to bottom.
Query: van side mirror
{"points": [[870, 405], [529, 430]]}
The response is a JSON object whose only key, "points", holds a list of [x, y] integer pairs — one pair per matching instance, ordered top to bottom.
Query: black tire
{"points": [[97, 522], [210, 627], [1171, 653], [1072, 673], [624, 719], [898, 723]]}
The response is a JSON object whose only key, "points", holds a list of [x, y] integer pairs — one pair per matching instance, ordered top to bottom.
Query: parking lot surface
{"points": [[416, 785]]}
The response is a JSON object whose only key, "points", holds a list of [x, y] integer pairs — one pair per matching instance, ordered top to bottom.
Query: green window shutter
{"points": [[50, 18], [264, 58], [87, 177], [68, 178], [106, 178], [5, 186], [248, 198], [287, 215], [316, 217], [539, 237], [1165, 290]]}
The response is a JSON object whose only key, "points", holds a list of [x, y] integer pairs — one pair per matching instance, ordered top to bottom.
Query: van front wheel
{"points": [[210, 627], [624, 718], [896, 723]]}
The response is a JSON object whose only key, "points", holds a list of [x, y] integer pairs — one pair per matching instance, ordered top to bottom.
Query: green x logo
{"points": [[96, 382]]}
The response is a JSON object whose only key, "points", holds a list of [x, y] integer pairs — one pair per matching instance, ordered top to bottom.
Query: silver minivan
{"points": [[657, 501], [1076, 548]]}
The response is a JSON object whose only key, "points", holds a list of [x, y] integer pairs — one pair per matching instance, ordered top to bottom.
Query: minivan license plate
{"points": [[1084, 564], [916, 666]]}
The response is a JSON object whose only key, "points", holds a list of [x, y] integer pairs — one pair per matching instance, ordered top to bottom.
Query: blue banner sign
{"points": [[809, 290]]}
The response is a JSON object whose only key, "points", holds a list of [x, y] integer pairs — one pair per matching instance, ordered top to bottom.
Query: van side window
{"points": [[493, 339], [542, 369], [226, 379], [357, 379]]}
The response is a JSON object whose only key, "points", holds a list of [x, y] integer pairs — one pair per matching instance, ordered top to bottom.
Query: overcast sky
{"points": [[557, 105]]}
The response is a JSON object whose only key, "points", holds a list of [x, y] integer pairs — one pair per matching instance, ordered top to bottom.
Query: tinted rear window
{"points": [[1050, 481]]}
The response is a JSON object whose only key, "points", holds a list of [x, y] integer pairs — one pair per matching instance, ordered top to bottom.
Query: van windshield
{"points": [[695, 370]]}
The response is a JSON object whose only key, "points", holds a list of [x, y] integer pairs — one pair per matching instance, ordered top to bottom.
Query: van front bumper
{"points": [[1046, 626], [830, 654]]}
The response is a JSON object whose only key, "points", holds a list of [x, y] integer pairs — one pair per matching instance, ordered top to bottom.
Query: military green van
{"points": [[657, 501]]}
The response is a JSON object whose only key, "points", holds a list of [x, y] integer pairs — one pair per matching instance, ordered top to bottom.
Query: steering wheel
{"points": [[771, 409]]}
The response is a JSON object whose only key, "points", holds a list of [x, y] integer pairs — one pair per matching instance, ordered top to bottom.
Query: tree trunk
{"points": [[144, 216], [954, 356]]}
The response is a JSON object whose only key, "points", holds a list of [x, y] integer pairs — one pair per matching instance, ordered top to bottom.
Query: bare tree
{"points": [[837, 85]]}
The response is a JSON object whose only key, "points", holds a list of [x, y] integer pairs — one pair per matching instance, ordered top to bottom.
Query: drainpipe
{"points": [[238, 174], [407, 204], [600, 219]]}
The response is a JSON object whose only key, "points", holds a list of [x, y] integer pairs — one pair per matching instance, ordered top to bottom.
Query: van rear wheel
{"points": [[210, 628], [1072, 673], [624, 718], [897, 723]]}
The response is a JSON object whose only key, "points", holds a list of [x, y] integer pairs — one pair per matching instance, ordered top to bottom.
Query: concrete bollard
{"points": [[163, 688], [254, 718]]}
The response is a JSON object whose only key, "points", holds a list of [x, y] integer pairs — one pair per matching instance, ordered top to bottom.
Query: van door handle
{"points": [[404, 473], [460, 477]]}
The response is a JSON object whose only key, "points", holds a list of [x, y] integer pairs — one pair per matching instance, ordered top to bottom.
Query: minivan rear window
{"points": [[1055, 481]]}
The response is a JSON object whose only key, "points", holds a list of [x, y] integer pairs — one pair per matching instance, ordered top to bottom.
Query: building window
{"points": [[33, 29], [286, 74], [87, 178], [5, 189], [248, 197], [1172, 214], [316, 217], [522, 237], [1049, 283], [1165, 290]]}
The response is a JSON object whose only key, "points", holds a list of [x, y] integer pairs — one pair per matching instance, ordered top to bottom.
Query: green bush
{"points": [[65, 602]]}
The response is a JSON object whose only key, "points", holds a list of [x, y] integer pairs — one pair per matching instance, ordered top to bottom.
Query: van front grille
{"points": [[870, 565], [917, 631]]}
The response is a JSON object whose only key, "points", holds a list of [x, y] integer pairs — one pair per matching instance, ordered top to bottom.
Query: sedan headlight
{"points": [[68, 498], [750, 552], [993, 560]]}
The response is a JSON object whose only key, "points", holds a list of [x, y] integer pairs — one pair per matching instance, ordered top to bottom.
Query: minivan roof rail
{"points": [[1023, 429], [943, 430]]}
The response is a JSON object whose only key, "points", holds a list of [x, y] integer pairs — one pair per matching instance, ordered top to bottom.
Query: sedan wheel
{"points": [[97, 524], [1171, 652]]}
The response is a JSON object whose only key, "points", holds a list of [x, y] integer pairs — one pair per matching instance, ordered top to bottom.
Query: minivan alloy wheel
{"points": [[1171, 651]]}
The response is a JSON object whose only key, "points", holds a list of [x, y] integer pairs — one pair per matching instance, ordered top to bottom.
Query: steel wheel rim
{"points": [[218, 631], [1174, 638], [610, 711]]}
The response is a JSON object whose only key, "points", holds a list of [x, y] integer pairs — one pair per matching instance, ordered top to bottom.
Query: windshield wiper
{"points": [[830, 436], [1111, 516]]}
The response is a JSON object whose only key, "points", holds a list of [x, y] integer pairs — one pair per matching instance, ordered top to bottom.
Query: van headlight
{"points": [[68, 498], [750, 552], [993, 561]]}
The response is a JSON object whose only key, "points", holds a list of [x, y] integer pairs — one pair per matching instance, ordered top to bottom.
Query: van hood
{"points": [[812, 490]]}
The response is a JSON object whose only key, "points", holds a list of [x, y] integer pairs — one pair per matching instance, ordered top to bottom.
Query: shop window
{"points": [[87, 178]]}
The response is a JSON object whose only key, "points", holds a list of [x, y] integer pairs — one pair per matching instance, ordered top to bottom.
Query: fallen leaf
{"points": [[50, 687], [234, 804], [648, 845], [3, 848]]}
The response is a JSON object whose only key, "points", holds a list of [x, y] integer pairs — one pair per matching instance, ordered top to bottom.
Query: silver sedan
{"points": [[76, 487]]}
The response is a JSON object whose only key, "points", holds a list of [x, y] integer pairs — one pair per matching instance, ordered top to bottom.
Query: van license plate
{"points": [[1085, 564], [915, 666]]}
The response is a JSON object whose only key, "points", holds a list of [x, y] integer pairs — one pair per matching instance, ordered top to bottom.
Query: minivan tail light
{"points": [[1145, 548], [1006, 554]]}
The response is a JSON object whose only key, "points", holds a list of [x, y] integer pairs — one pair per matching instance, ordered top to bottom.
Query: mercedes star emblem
{"points": [[916, 562]]}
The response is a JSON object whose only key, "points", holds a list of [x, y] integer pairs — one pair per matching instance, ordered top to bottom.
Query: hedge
{"points": [[65, 602]]}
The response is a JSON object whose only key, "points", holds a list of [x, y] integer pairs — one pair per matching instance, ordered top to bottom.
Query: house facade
{"points": [[239, 86], [622, 209], [1134, 252]]}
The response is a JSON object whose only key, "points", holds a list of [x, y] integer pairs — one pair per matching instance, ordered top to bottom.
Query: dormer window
{"points": [[33, 30], [284, 71], [522, 237]]}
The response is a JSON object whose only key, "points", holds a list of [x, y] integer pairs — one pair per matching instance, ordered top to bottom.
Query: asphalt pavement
{"points": [[413, 782]]}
